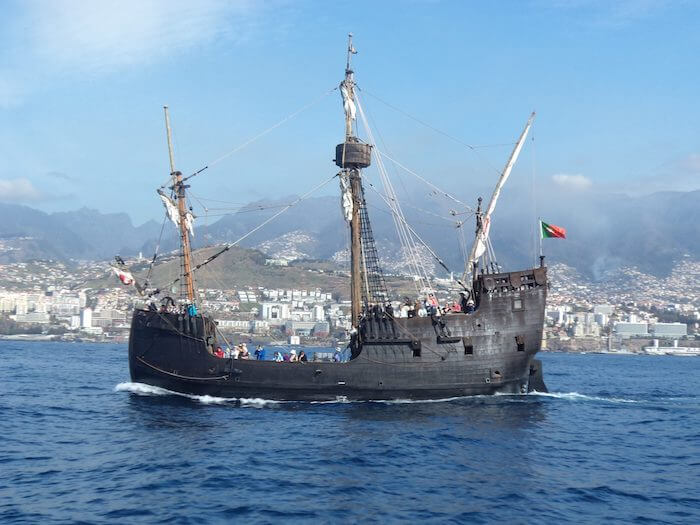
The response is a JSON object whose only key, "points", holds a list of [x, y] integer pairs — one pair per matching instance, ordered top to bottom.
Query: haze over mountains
{"points": [[604, 231]]}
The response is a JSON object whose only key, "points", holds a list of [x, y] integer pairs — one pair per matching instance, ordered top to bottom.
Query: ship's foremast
{"points": [[179, 187]]}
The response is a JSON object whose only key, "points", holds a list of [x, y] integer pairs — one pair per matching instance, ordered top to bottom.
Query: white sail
{"points": [[348, 102], [345, 196], [170, 208], [174, 213], [189, 222], [482, 234], [481, 238]]}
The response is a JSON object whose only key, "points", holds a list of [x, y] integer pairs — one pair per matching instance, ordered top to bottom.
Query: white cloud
{"points": [[106, 35], [42, 40], [572, 182], [19, 190]]}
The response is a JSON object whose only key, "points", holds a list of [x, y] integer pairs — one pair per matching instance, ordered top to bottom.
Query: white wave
{"points": [[143, 389], [149, 390], [575, 396], [401, 401]]}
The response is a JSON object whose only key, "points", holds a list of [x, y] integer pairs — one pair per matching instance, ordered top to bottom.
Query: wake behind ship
{"points": [[485, 344]]}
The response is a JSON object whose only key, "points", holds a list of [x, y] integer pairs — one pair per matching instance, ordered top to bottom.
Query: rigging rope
{"points": [[258, 136], [471, 147], [442, 192], [397, 214], [408, 226], [251, 232], [155, 253]]}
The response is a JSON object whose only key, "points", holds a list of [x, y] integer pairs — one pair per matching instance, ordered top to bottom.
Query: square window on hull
{"points": [[468, 345]]}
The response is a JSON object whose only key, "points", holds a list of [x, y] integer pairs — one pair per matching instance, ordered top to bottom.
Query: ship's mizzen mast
{"points": [[483, 221], [366, 280], [187, 283]]}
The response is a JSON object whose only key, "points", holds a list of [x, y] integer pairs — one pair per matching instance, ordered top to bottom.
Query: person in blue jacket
{"points": [[259, 353]]}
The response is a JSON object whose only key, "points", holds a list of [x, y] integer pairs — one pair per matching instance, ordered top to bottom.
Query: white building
{"points": [[21, 305], [605, 309], [275, 311], [319, 313], [86, 318], [632, 329], [669, 329]]}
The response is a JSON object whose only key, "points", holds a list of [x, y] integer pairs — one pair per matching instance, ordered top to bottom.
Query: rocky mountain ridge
{"points": [[604, 232]]}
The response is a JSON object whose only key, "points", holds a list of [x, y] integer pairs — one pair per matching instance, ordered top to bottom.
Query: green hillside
{"points": [[242, 268]]}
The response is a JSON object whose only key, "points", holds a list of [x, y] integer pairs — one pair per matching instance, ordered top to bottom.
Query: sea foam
{"points": [[143, 389]]}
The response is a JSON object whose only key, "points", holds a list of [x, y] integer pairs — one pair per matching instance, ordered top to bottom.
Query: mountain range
{"points": [[604, 231]]}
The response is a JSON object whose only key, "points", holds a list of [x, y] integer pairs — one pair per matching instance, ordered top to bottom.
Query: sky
{"points": [[83, 84]]}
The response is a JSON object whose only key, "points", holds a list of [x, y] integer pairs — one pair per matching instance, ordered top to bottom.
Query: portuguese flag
{"points": [[550, 230]]}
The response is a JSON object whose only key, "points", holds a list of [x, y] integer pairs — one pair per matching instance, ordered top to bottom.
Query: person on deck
{"points": [[463, 301], [470, 306], [389, 311], [219, 352], [236, 352], [244, 352], [259, 353], [293, 356], [337, 356], [278, 357], [302, 357]]}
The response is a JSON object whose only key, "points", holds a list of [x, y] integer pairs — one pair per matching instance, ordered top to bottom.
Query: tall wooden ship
{"points": [[487, 348]]}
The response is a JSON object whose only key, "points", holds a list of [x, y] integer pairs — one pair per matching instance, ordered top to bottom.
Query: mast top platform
{"points": [[353, 154]]}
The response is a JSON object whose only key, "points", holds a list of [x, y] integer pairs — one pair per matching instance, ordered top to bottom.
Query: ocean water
{"points": [[616, 440]]}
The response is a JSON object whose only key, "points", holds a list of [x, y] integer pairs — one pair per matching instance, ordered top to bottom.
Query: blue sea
{"points": [[616, 440]]}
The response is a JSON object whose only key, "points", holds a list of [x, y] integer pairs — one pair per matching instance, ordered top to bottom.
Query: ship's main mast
{"points": [[353, 155], [185, 249]]}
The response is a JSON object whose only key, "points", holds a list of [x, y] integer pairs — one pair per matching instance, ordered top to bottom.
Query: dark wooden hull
{"points": [[489, 351]]}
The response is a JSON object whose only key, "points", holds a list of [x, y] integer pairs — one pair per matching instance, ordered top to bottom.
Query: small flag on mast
{"points": [[551, 231]]}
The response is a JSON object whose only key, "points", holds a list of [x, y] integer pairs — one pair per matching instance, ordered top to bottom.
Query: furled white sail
{"points": [[348, 102], [345, 196], [170, 208], [174, 213], [189, 223], [482, 234], [481, 238]]}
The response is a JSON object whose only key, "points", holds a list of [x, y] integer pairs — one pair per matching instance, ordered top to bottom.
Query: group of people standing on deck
{"points": [[428, 307], [240, 351], [291, 357]]}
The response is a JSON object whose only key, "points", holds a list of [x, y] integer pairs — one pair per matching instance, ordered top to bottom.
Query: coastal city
{"points": [[627, 311]]}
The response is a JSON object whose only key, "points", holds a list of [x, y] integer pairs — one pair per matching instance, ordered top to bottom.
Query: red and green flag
{"points": [[550, 230]]}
